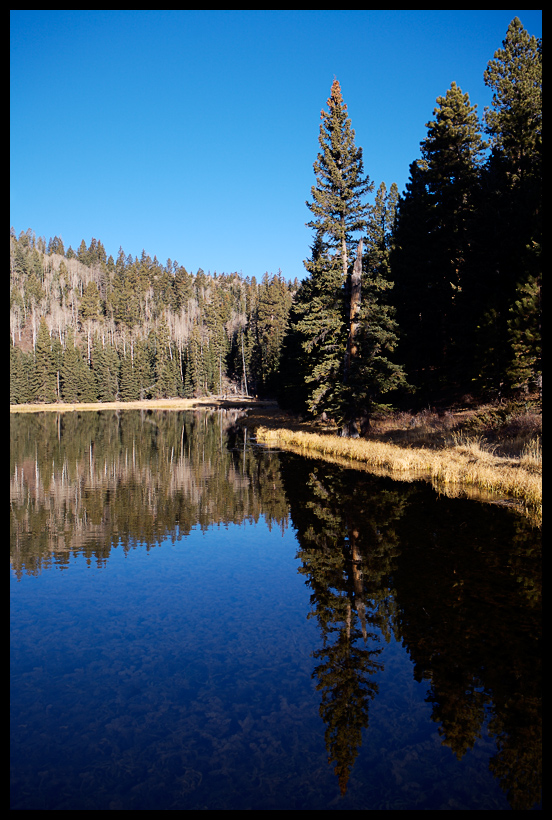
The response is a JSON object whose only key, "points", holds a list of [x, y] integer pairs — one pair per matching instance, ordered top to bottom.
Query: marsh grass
{"points": [[464, 462]]}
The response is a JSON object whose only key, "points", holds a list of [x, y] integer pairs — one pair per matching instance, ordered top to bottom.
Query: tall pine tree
{"points": [[339, 212], [512, 215], [432, 239]]}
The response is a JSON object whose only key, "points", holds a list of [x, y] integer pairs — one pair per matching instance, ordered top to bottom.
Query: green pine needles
{"points": [[345, 328]]}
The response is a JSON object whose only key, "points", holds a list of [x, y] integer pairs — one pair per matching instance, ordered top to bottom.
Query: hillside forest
{"points": [[429, 296]]}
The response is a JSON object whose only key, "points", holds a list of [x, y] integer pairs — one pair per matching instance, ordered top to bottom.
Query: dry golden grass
{"points": [[147, 404], [465, 463]]}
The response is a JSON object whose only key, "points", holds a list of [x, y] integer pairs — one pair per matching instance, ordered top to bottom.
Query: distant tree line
{"points": [[428, 296], [89, 328]]}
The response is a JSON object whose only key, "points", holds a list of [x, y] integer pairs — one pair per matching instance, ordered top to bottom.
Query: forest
{"points": [[431, 296]]}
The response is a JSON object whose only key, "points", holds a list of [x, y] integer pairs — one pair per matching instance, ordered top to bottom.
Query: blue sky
{"points": [[192, 134]]}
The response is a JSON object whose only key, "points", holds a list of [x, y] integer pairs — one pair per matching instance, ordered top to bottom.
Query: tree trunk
{"points": [[354, 313], [350, 427]]}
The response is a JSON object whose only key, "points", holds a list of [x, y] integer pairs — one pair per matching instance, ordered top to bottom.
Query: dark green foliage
{"points": [[514, 121], [338, 205], [339, 211], [512, 213], [432, 241], [342, 328], [322, 330], [106, 366], [21, 373], [43, 379], [77, 380], [129, 385]]}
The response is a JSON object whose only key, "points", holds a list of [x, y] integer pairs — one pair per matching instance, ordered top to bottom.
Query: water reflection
{"points": [[84, 482], [456, 582]]}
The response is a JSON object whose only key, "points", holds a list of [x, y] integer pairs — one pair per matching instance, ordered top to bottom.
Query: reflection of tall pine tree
{"points": [[348, 547]]}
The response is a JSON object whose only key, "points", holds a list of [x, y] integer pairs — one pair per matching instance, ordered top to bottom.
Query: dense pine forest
{"points": [[432, 296]]}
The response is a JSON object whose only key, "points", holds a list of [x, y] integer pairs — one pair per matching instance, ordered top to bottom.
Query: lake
{"points": [[199, 622]]}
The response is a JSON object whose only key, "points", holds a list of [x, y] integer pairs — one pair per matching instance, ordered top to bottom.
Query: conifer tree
{"points": [[514, 121], [338, 207], [339, 211], [432, 239], [510, 264], [272, 313], [342, 323], [321, 326], [105, 363], [166, 370], [374, 373], [21, 375], [77, 380], [44, 381], [70, 383], [129, 387]]}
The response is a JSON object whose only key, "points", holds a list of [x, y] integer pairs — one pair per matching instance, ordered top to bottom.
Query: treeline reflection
{"points": [[86, 482], [458, 583]]}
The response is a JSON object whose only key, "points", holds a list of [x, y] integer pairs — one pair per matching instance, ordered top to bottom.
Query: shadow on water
{"points": [[398, 639]]}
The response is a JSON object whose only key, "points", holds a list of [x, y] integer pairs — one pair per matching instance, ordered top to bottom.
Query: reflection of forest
{"points": [[88, 481], [457, 582], [469, 611]]}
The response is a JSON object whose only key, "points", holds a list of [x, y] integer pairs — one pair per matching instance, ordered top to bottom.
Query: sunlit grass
{"points": [[146, 404], [466, 462]]}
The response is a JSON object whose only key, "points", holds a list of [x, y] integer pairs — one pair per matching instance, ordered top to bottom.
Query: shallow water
{"points": [[201, 623]]}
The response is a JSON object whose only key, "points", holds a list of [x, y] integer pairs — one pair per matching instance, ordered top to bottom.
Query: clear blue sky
{"points": [[192, 134]]}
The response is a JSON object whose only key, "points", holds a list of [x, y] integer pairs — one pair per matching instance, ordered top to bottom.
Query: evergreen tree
{"points": [[514, 121], [337, 206], [339, 211], [511, 215], [432, 240], [82, 253], [90, 303], [339, 316], [272, 318], [321, 326], [525, 335], [57, 359], [105, 364], [165, 366], [143, 369], [72, 371], [21, 374], [374, 374], [194, 379], [44, 381], [129, 385]]}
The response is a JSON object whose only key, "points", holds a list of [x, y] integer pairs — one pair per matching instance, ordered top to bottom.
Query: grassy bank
{"points": [[147, 404], [493, 450], [464, 463]]}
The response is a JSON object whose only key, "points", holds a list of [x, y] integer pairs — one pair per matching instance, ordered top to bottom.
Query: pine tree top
{"points": [[335, 99]]}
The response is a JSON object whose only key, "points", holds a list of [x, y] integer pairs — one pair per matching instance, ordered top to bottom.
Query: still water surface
{"points": [[201, 623]]}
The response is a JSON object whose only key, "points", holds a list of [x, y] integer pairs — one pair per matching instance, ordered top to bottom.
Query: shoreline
{"points": [[145, 404], [457, 467], [463, 467]]}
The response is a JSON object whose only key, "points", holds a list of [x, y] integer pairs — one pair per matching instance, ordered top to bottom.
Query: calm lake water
{"points": [[198, 622]]}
